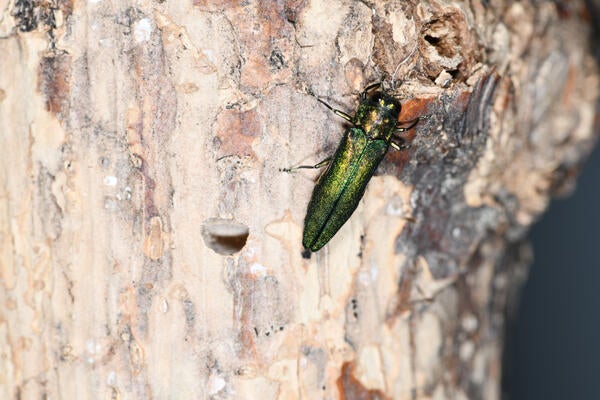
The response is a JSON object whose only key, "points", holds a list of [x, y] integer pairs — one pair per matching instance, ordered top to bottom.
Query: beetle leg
{"points": [[337, 112], [410, 124], [402, 145], [316, 166]]}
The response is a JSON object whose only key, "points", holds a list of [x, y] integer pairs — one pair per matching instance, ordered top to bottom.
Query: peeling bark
{"points": [[150, 246]]}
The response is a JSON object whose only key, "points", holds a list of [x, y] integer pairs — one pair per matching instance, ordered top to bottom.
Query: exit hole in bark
{"points": [[444, 34], [446, 45], [224, 236]]}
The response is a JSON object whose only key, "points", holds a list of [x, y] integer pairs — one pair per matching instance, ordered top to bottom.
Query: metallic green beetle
{"points": [[342, 185]]}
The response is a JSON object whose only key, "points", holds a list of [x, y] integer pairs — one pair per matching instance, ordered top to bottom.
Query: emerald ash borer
{"points": [[375, 127]]}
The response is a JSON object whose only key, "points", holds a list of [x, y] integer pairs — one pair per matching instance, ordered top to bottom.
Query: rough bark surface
{"points": [[142, 142]]}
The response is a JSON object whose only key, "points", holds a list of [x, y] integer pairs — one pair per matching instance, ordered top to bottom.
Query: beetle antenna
{"points": [[392, 78]]}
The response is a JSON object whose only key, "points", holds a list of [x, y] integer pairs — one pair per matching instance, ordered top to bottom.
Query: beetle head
{"points": [[384, 104], [378, 115]]}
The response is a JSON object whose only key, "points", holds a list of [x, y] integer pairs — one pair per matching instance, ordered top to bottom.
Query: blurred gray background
{"points": [[553, 345]]}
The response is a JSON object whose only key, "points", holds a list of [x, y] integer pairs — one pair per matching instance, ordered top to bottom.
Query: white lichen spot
{"points": [[142, 30], [210, 55], [249, 176], [110, 180], [124, 194], [395, 207], [456, 232], [258, 269], [374, 272], [364, 277], [164, 305], [469, 323], [90, 346], [466, 350], [303, 362], [215, 384]]}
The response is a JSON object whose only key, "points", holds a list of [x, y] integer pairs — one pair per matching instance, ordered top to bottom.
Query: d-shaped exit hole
{"points": [[224, 236]]}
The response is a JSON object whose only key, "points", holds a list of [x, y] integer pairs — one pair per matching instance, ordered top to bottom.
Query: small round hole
{"points": [[224, 236]]}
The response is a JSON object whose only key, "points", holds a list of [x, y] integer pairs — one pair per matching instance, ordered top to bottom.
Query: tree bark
{"points": [[150, 246]]}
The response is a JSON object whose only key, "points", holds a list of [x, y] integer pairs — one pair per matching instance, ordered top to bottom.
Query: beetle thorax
{"points": [[378, 116]]}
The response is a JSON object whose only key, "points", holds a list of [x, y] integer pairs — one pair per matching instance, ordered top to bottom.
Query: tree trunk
{"points": [[150, 246]]}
